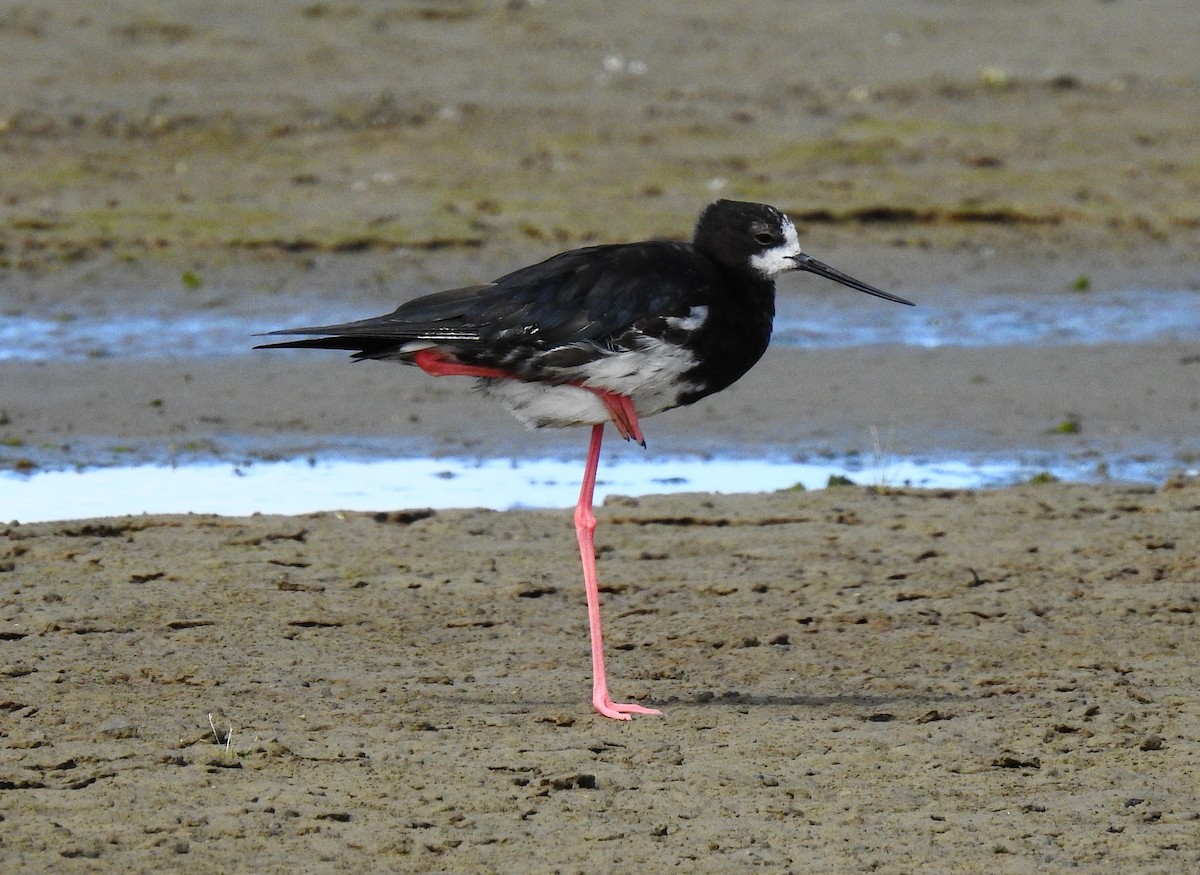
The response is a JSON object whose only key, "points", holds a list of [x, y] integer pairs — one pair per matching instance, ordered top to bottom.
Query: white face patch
{"points": [[778, 259]]}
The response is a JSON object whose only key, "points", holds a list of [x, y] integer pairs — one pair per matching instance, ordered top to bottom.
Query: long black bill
{"points": [[807, 262]]}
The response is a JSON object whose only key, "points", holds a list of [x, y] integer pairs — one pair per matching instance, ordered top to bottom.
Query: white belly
{"points": [[652, 377], [539, 405]]}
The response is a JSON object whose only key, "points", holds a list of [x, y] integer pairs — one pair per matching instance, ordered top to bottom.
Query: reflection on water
{"points": [[1134, 316], [1047, 320], [300, 487]]}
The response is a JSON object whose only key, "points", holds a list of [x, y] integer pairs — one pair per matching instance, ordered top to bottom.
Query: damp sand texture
{"points": [[851, 678]]}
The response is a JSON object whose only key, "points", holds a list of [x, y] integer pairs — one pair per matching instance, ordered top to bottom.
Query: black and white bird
{"points": [[611, 333]]}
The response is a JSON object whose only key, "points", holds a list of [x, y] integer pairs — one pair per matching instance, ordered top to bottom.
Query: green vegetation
{"points": [[1071, 425], [1042, 478]]}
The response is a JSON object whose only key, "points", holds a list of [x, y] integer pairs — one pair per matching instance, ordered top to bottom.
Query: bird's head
{"points": [[759, 237]]}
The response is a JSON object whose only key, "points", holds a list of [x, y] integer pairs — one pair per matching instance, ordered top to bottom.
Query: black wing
{"points": [[600, 297]]}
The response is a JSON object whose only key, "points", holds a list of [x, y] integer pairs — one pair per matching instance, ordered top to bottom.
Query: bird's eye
{"points": [[763, 238]]}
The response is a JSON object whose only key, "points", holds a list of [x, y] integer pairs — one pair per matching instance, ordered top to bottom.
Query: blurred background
{"points": [[188, 129], [175, 176]]}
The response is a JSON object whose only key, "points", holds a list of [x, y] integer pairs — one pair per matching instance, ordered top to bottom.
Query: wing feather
{"points": [[598, 297]]}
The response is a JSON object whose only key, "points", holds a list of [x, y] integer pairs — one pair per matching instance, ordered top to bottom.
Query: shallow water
{"points": [[1131, 316], [299, 486]]}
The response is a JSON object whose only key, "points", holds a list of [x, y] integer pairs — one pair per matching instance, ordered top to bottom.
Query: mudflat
{"points": [[849, 678], [852, 679]]}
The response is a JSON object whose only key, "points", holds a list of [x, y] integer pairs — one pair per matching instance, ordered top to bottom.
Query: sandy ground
{"points": [[853, 680]]}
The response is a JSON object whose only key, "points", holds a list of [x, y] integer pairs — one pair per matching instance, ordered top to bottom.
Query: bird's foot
{"points": [[620, 410], [619, 710]]}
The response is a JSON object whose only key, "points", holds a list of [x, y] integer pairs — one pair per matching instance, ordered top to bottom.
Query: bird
{"points": [[606, 333]]}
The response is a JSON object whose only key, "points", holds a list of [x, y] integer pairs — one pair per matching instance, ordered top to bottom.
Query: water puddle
{"points": [[1132, 316], [63, 337], [294, 487]]}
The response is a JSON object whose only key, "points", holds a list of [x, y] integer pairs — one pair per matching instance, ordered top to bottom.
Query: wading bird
{"points": [[612, 333]]}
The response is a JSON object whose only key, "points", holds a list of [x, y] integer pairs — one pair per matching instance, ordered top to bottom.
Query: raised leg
{"points": [[435, 363], [620, 409], [585, 527]]}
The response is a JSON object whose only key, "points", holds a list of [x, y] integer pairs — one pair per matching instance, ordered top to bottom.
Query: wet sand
{"points": [[1125, 401], [852, 679]]}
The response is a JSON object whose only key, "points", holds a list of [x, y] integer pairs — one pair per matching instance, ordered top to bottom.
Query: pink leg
{"points": [[434, 363], [620, 408], [624, 417], [585, 527]]}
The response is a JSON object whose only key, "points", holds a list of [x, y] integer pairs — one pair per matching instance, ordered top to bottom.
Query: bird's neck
{"points": [[736, 333]]}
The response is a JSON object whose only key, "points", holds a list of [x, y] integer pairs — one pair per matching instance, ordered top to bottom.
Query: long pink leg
{"points": [[624, 417], [585, 527]]}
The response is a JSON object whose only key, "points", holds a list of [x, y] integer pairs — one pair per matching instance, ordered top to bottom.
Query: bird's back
{"points": [[595, 296]]}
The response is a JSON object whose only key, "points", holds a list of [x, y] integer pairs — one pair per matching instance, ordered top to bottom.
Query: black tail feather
{"points": [[320, 343]]}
